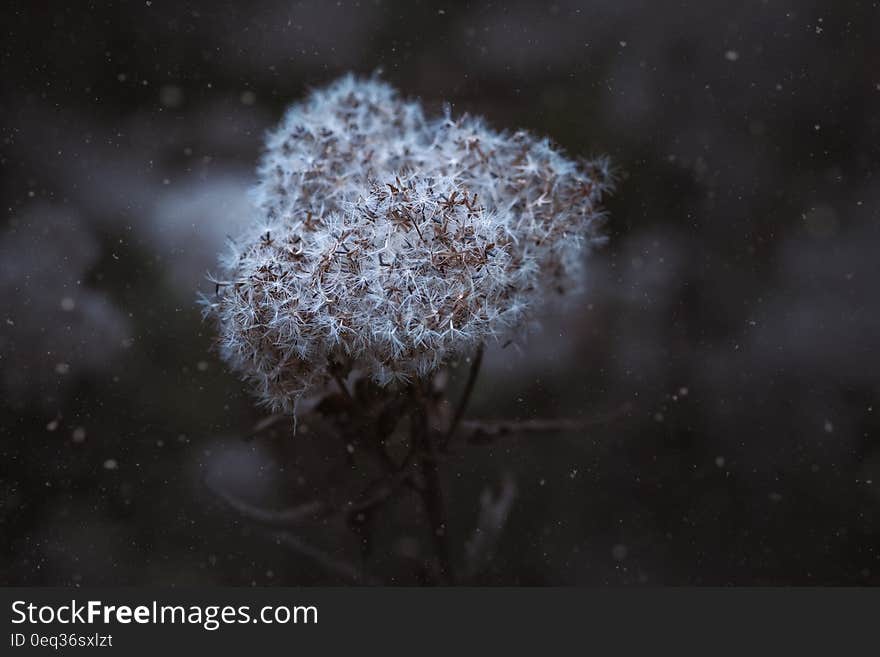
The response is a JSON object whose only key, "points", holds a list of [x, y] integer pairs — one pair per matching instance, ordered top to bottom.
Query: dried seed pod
{"points": [[388, 242]]}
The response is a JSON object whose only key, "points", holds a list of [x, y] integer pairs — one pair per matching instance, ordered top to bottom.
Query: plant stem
{"points": [[465, 397], [432, 493]]}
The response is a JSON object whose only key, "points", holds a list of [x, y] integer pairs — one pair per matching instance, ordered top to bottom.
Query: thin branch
{"points": [[465, 397], [269, 421], [481, 431], [484, 431], [385, 488], [299, 514], [292, 516], [338, 566]]}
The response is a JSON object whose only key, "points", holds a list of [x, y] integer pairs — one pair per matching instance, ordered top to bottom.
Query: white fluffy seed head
{"points": [[387, 243]]}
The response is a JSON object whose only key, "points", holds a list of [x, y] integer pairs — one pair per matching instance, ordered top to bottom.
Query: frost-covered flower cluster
{"points": [[388, 242]]}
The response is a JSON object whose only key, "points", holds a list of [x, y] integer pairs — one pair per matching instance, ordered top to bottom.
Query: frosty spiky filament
{"points": [[388, 242]]}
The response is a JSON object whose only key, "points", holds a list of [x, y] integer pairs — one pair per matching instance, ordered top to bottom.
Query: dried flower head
{"points": [[387, 243]]}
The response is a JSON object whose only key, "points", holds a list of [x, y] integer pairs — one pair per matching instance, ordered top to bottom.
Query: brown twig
{"points": [[269, 421], [480, 431], [483, 431], [384, 489], [315, 509], [310, 511], [292, 516], [338, 566]]}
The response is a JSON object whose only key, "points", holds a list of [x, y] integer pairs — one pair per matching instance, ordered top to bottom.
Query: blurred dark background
{"points": [[726, 351]]}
